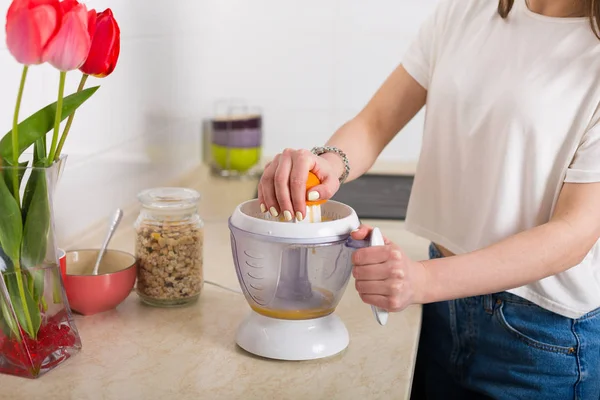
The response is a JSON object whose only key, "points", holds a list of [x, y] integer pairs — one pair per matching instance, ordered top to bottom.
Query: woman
{"points": [[507, 190]]}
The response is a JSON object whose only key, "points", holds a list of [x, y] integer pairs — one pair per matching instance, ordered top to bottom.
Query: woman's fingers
{"points": [[302, 162], [282, 185], [267, 186], [324, 191], [261, 200], [364, 231], [376, 255], [373, 272], [383, 288], [388, 295], [388, 303]]}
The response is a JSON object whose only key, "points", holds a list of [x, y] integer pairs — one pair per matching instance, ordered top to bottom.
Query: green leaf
{"points": [[37, 125], [39, 150], [22, 170], [8, 174], [31, 183], [28, 193], [36, 214], [11, 225], [11, 232], [6, 263], [38, 276], [29, 281], [35, 282], [35, 285], [19, 304], [7, 322]]}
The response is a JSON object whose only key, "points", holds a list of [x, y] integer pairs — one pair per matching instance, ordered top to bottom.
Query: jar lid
{"points": [[169, 198]]}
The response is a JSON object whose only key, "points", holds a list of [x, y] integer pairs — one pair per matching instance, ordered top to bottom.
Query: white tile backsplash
{"points": [[310, 65]]}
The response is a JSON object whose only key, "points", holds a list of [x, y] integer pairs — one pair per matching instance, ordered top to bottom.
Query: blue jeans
{"points": [[501, 346]]}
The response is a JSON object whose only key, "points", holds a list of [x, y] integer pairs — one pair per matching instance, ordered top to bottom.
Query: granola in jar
{"points": [[169, 247]]}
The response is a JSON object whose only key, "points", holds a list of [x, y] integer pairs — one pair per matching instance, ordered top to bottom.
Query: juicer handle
{"points": [[377, 240]]}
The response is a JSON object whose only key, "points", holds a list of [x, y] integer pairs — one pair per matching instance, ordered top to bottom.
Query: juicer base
{"points": [[292, 340]]}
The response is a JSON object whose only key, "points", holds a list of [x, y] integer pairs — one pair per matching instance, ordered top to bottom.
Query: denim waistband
{"points": [[434, 252]]}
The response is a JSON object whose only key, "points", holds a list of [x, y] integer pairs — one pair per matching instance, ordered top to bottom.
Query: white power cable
{"points": [[208, 282], [223, 287]]}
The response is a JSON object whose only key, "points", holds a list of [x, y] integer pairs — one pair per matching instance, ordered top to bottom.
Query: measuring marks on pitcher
{"points": [[254, 276]]}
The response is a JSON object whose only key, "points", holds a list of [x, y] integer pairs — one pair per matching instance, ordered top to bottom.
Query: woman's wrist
{"points": [[336, 161], [429, 290]]}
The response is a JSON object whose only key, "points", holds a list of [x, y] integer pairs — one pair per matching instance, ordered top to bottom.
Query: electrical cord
{"points": [[210, 283], [223, 287]]}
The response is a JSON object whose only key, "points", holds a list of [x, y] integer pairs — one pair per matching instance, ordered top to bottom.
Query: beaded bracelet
{"points": [[330, 149]]}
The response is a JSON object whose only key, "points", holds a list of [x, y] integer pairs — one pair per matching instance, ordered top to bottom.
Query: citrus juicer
{"points": [[293, 276]]}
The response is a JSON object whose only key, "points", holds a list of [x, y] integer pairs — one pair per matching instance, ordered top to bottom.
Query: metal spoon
{"points": [[111, 230]]}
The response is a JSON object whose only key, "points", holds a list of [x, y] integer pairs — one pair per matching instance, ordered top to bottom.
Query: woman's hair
{"points": [[592, 9]]}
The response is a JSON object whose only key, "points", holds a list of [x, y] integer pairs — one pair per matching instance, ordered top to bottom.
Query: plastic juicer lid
{"points": [[340, 221]]}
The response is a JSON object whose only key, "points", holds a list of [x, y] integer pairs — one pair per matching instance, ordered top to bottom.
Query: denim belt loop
{"points": [[488, 303]]}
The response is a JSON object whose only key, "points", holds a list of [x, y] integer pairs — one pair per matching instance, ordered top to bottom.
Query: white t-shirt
{"points": [[512, 112]]}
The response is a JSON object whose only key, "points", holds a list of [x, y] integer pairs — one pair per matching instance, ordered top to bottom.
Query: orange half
{"points": [[311, 182]]}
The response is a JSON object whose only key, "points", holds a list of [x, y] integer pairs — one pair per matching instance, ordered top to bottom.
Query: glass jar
{"points": [[236, 132], [169, 247]]}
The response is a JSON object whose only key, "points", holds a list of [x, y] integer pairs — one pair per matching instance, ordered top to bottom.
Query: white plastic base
{"points": [[292, 340]]}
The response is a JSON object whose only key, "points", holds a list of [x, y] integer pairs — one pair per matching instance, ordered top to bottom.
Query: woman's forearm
{"points": [[391, 108], [355, 138], [523, 258]]}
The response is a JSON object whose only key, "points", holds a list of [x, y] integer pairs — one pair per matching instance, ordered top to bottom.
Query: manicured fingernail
{"points": [[312, 196], [263, 208], [273, 211], [287, 215], [299, 216], [355, 230]]}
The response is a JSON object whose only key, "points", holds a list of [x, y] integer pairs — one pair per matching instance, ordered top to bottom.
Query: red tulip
{"points": [[30, 26], [71, 45], [106, 46]]}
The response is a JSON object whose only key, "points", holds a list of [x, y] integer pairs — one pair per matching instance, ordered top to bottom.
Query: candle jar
{"points": [[235, 139], [169, 247]]}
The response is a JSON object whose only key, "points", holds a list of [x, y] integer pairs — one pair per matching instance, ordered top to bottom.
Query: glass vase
{"points": [[37, 332]]}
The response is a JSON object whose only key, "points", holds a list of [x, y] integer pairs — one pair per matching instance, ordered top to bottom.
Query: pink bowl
{"points": [[91, 294]]}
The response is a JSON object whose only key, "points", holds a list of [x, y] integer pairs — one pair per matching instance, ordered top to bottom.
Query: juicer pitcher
{"points": [[293, 276], [296, 278], [291, 281]]}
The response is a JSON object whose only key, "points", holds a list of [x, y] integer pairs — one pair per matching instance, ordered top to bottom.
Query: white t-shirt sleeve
{"points": [[419, 60], [585, 167]]}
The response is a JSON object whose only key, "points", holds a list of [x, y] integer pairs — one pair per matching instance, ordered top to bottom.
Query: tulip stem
{"points": [[57, 117], [15, 137], [61, 143]]}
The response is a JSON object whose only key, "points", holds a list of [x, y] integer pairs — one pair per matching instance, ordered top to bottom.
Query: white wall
{"points": [[310, 65]]}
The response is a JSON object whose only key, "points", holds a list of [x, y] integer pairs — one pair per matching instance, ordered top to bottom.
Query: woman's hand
{"points": [[282, 187], [385, 277]]}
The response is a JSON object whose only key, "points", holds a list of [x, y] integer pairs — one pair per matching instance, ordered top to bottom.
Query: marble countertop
{"points": [[140, 352]]}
